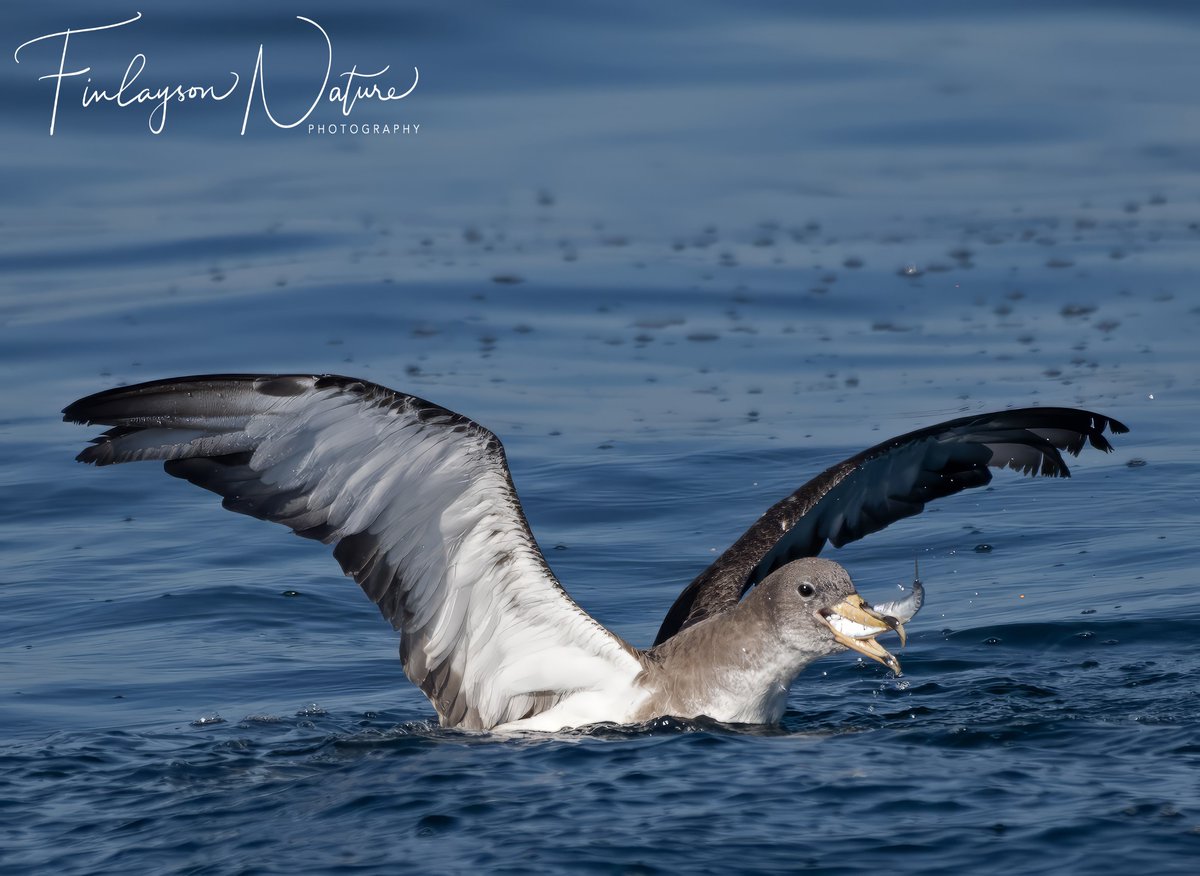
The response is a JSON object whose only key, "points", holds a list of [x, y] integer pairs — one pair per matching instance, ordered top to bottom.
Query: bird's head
{"points": [[816, 608]]}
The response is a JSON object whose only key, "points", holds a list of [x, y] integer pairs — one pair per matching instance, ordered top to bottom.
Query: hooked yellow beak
{"points": [[855, 625]]}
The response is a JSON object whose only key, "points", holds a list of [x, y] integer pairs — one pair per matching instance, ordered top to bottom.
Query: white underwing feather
{"points": [[420, 505]]}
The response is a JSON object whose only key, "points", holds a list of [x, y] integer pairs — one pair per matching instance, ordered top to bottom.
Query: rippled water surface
{"points": [[680, 259]]}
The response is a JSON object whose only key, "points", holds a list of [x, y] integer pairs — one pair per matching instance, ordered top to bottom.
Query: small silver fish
{"points": [[904, 608]]}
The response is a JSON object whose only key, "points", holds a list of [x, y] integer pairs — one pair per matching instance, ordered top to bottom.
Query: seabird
{"points": [[421, 510]]}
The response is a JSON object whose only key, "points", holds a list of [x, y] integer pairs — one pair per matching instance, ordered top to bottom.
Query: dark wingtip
{"points": [[86, 411], [74, 412], [1096, 434]]}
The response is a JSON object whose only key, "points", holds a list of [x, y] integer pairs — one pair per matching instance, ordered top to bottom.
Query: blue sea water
{"points": [[679, 258]]}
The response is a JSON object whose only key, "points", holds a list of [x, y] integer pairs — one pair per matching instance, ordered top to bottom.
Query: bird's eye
{"points": [[806, 590]]}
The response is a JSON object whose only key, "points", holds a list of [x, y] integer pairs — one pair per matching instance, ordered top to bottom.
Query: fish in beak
{"points": [[904, 609], [855, 624]]}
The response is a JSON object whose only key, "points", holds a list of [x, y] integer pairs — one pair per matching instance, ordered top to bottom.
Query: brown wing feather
{"points": [[886, 483]]}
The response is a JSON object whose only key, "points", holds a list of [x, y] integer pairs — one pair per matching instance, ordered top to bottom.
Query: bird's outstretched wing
{"points": [[883, 484], [419, 504]]}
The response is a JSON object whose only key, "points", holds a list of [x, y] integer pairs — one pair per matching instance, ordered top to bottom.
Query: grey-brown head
{"points": [[813, 607]]}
